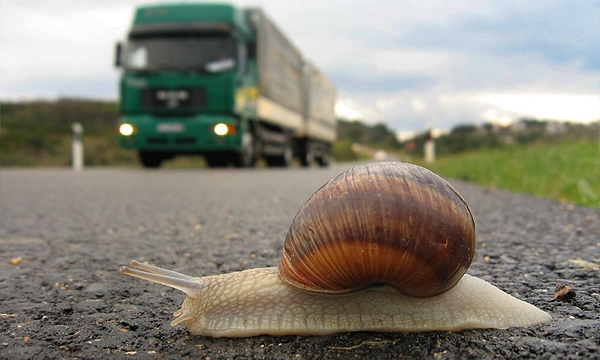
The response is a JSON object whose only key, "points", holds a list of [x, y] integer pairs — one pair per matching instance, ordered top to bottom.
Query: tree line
{"points": [[523, 132], [39, 133]]}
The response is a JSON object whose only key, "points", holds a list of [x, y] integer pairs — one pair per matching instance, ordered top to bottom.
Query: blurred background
{"points": [[508, 91]]}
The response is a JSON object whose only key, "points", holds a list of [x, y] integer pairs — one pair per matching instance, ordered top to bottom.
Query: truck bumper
{"points": [[193, 134]]}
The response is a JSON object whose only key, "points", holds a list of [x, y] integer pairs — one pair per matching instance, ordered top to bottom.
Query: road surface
{"points": [[64, 234]]}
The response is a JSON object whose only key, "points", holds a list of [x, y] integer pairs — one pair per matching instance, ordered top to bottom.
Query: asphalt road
{"points": [[63, 236]]}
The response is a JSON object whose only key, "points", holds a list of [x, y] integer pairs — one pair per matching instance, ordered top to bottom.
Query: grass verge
{"points": [[565, 171]]}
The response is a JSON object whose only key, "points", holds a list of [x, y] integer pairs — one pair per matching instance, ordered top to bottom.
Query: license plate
{"points": [[170, 128]]}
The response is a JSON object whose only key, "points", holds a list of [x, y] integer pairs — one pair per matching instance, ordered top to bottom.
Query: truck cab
{"points": [[223, 82], [187, 83]]}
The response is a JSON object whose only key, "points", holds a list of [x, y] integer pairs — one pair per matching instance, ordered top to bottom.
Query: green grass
{"points": [[565, 171]]}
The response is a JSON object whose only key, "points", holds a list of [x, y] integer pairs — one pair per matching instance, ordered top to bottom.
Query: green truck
{"points": [[223, 82]]}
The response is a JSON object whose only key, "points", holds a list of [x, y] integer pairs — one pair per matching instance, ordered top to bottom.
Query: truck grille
{"points": [[185, 98], [157, 140], [162, 140], [185, 140]]}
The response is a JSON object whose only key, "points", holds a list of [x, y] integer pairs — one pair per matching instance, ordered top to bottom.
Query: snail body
{"points": [[381, 247], [254, 302]]}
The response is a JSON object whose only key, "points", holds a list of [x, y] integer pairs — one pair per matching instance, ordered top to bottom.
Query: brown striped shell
{"points": [[390, 222]]}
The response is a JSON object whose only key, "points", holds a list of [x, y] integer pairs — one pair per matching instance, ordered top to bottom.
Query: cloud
{"points": [[555, 31], [44, 40], [363, 83], [52, 88], [548, 106]]}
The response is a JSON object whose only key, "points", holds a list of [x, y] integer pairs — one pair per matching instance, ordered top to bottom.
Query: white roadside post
{"points": [[77, 147], [429, 148]]}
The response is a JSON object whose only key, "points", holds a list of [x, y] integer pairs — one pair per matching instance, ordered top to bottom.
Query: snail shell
{"points": [[392, 223]]}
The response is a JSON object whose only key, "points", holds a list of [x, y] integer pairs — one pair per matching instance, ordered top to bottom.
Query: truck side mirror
{"points": [[118, 52]]}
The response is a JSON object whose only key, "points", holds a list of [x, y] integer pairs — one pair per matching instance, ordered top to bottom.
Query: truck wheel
{"points": [[247, 156], [307, 157], [151, 159], [324, 159], [282, 160]]}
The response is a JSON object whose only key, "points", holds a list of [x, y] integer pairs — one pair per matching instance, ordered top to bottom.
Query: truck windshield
{"points": [[180, 53]]}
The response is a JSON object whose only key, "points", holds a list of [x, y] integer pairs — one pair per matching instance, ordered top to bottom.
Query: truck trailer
{"points": [[223, 82]]}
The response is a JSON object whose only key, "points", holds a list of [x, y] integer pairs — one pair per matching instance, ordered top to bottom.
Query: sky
{"points": [[409, 64]]}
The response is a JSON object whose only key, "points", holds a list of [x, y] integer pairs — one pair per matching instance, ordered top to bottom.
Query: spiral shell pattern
{"points": [[380, 223]]}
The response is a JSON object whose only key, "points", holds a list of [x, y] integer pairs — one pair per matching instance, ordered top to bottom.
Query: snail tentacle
{"points": [[187, 284], [181, 316]]}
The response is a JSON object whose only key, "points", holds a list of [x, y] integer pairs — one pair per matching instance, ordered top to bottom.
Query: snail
{"points": [[381, 247]]}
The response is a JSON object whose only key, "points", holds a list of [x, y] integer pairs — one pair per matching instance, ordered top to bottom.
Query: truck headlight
{"points": [[126, 129], [223, 129]]}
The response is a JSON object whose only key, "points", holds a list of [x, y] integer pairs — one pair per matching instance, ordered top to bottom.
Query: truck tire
{"points": [[247, 156], [307, 157], [151, 159], [282, 160], [324, 160]]}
